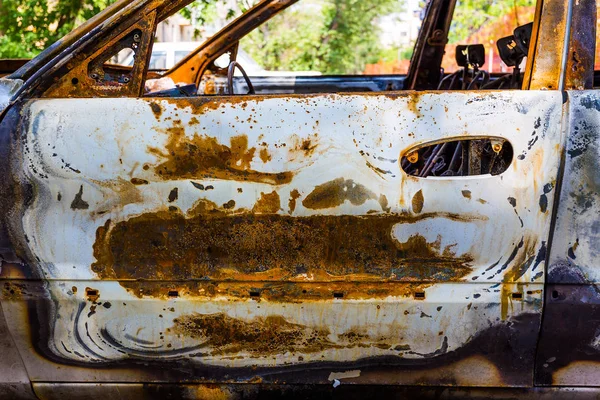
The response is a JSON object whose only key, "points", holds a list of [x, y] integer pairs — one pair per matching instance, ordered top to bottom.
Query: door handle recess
{"points": [[458, 157]]}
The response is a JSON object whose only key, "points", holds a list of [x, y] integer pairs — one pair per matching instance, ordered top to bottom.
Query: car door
{"points": [[278, 238]]}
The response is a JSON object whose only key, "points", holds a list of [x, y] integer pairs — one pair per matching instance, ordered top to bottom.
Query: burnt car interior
{"points": [[210, 69], [193, 77]]}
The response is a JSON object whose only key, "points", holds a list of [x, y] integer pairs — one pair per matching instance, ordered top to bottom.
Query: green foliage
{"points": [[471, 15], [29, 26], [330, 36], [396, 53]]}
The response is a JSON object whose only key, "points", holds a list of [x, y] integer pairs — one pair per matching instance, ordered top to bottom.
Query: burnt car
{"points": [[231, 236]]}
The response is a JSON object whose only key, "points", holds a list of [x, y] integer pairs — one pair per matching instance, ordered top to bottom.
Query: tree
{"points": [[472, 15], [29, 26], [330, 36]]}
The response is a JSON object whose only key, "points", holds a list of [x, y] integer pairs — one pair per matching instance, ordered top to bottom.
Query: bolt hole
{"points": [[74, 81], [304, 291], [173, 293], [254, 293], [555, 294], [338, 295], [419, 295], [517, 296]]}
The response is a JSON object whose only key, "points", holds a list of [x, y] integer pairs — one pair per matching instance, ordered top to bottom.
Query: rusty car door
{"points": [[278, 238], [569, 350]]}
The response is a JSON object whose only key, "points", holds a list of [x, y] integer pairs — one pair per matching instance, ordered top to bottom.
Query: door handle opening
{"points": [[459, 157]]}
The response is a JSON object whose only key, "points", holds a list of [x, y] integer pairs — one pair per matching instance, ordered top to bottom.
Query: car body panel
{"points": [[288, 220], [572, 308]]}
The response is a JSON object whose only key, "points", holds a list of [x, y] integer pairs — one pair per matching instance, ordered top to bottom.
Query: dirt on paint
{"points": [[334, 193], [261, 335]]}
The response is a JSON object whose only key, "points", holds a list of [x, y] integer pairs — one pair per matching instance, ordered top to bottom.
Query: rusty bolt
{"points": [[496, 145], [412, 157]]}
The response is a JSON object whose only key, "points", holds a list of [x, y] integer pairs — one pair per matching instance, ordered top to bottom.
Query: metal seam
{"points": [[565, 52]]}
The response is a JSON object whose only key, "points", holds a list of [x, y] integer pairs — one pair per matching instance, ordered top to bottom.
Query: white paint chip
{"points": [[334, 376]]}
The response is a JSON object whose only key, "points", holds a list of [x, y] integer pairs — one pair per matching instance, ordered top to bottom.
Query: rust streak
{"points": [[203, 157], [294, 195], [268, 203], [211, 242], [268, 335]]}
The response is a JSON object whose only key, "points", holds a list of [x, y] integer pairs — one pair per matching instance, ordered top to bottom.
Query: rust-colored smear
{"points": [[156, 109], [307, 146], [264, 155], [204, 157], [139, 181], [334, 193], [294, 195], [383, 202], [417, 202], [269, 203], [215, 243], [525, 254], [92, 294], [270, 335]]}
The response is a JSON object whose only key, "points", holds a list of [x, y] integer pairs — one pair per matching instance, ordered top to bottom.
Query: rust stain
{"points": [[413, 104], [156, 109], [307, 146], [264, 155], [204, 157], [138, 181], [334, 193], [466, 194], [294, 195], [383, 202], [417, 202], [268, 203], [213, 242], [516, 266], [354, 287], [92, 294], [259, 336], [211, 392]]}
